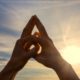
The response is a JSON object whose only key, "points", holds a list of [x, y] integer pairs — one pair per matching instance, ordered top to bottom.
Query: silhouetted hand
{"points": [[20, 54], [49, 55]]}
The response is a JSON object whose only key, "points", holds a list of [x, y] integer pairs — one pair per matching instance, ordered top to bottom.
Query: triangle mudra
{"points": [[31, 24]]}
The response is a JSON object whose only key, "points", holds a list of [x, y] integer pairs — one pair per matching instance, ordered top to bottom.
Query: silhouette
{"points": [[49, 55]]}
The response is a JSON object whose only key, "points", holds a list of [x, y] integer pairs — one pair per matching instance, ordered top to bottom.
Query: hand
{"points": [[21, 53], [49, 55], [20, 56]]}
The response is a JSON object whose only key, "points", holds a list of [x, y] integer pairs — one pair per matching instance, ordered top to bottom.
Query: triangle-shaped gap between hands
{"points": [[34, 21], [35, 29]]}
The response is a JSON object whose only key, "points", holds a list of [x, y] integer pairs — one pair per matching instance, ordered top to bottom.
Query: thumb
{"points": [[34, 50]]}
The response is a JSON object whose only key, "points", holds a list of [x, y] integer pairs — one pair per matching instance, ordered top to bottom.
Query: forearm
{"points": [[65, 71], [8, 73]]}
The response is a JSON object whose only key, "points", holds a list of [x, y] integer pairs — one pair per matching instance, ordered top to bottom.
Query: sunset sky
{"points": [[60, 18]]}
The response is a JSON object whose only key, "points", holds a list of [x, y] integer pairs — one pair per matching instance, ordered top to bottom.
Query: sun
{"points": [[71, 54]]}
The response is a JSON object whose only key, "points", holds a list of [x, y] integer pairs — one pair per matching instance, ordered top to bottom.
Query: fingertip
{"points": [[37, 34]]}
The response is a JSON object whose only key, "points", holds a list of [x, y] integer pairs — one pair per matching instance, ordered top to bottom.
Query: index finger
{"points": [[40, 27], [28, 28]]}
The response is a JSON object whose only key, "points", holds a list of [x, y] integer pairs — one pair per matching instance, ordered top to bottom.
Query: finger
{"points": [[40, 27], [28, 28], [37, 34], [26, 39], [34, 40], [38, 40], [22, 42], [42, 42], [29, 46], [35, 50], [32, 52]]}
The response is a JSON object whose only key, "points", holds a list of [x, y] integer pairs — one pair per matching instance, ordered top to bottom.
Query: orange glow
{"points": [[71, 54]]}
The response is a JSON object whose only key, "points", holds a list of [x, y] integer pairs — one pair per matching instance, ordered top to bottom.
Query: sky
{"points": [[61, 19]]}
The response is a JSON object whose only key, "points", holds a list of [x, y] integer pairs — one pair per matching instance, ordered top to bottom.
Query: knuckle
{"points": [[18, 41]]}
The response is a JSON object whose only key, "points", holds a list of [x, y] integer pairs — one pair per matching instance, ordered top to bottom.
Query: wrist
{"points": [[9, 68], [64, 70], [8, 73]]}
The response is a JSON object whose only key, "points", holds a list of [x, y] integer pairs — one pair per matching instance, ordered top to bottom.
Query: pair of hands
{"points": [[48, 55]]}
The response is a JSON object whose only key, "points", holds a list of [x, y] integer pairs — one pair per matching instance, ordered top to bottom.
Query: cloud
{"points": [[53, 14], [56, 17], [8, 31], [7, 43], [2, 44], [4, 55], [34, 70]]}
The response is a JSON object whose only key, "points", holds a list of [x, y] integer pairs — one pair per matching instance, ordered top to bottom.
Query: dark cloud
{"points": [[4, 18], [8, 31], [4, 55]]}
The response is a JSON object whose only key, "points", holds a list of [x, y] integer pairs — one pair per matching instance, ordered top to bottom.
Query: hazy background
{"points": [[61, 19]]}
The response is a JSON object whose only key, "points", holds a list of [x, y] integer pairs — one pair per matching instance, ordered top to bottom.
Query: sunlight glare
{"points": [[71, 54]]}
